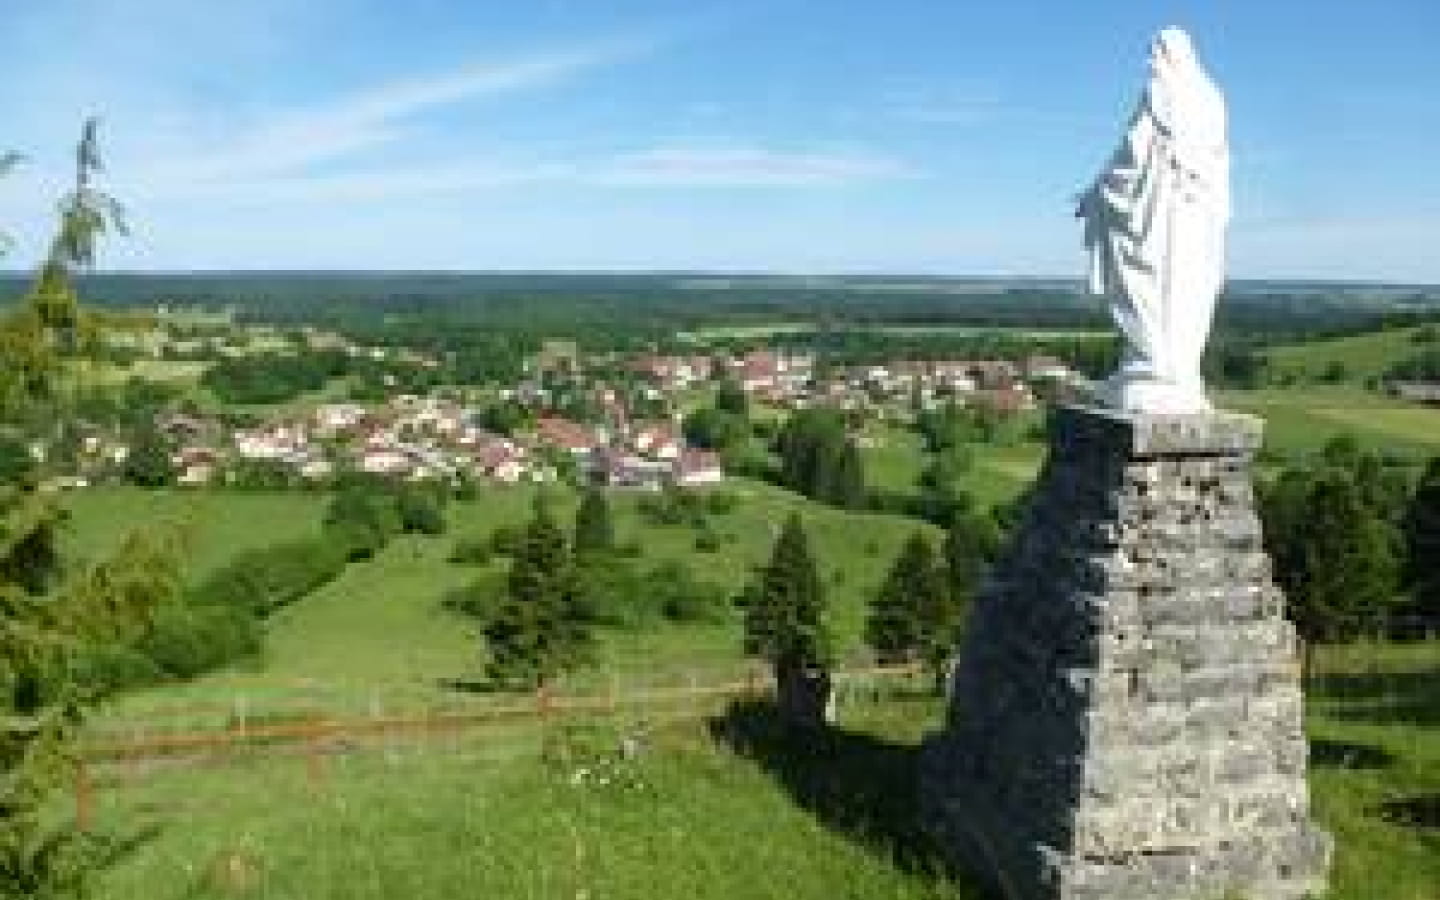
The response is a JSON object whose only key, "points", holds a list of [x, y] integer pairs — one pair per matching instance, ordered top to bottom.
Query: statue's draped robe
{"points": [[1155, 224]]}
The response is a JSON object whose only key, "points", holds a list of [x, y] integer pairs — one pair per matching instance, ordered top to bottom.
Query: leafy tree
{"points": [[730, 398], [506, 417], [716, 429], [818, 459], [148, 462], [17, 466], [420, 509], [361, 520], [594, 531], [1422, 541], [1347, 568], [785, 624], [540, 627]]}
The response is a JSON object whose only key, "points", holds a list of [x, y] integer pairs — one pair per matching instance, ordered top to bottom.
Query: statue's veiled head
{"points": [[1185, 102]]}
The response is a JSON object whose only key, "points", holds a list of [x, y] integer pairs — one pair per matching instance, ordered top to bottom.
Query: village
{"points": [[616, 420]]}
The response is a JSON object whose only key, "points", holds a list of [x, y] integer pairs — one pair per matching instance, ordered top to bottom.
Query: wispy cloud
{"points": [[941, 104], [287, 145], [732, 165], [746, 166]]}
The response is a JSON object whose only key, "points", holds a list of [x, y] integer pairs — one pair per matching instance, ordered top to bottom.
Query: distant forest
{"points": [[663, 303]]}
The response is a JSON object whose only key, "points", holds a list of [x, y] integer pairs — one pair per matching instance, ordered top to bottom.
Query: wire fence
{"points": [[127, 751]]}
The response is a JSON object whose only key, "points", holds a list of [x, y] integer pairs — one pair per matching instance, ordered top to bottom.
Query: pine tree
{"points": [[847, 478], [594, 531], [1422, 541], [971, 544], [910, 598], [785, 625], [540, 627]]}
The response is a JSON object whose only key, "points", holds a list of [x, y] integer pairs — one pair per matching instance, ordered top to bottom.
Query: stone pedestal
{"points": [[1125, 719]]}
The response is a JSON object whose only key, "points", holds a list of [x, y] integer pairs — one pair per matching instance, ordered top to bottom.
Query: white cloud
{"points": [[930, 103], [288, 144], [666, 166], [744, 166]]}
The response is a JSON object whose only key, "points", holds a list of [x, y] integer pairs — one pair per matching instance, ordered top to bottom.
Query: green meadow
{"points": [[1363, 356], [1304, 419]]}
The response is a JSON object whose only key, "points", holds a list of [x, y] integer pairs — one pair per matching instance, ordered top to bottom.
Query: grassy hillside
{"points": [[1363, 355], [1304, 419], [214, 525], [379, 633], [714, 806]]}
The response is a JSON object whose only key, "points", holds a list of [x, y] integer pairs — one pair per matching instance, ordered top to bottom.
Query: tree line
{"points": [[1354, 540]]}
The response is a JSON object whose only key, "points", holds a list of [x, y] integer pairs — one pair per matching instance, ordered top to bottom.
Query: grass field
{"points": [[1363, 355], [1304, 419], [214, 525], [338, 649], [712, 807], [502, 812]]}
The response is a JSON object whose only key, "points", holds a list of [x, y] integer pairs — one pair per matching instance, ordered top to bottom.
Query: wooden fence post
{"points": [[314, 762], [84, 796]]}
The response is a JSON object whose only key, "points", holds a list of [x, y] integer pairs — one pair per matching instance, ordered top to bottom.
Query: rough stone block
{"points": [[1125, 717]]}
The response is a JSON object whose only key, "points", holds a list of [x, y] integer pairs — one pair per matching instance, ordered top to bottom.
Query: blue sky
{"points": [[937, 136]]}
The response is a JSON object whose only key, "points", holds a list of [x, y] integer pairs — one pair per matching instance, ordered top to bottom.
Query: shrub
{"points": [[721, 503], [420, 510], [506, 540], [472, 552], [263, 580], [673, 590], [478, 598], [188, 639], [107, 668]]}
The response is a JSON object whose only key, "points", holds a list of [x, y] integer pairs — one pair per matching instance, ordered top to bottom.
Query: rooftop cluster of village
{"points": [[608, 418]]}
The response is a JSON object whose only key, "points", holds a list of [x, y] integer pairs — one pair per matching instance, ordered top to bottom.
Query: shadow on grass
{"points": [[1382, 698], [1348, 755], [855, 783], [1421, 811]]}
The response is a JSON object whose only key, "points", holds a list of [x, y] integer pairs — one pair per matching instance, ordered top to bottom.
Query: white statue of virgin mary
{"points": [[1155, 223]]}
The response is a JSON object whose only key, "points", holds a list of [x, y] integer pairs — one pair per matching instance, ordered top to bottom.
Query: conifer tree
{"points": [[847, 479], [594, 530], [1422, 541], [971, 543], [912, 593], [45, 619], [785, 624], [540, 627]]}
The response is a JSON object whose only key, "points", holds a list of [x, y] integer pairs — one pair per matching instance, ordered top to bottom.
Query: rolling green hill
{"points": [[1362, 355]]}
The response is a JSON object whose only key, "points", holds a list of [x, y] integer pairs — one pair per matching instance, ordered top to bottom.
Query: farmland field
{"points": [[1362, 356], [1303, 419]]}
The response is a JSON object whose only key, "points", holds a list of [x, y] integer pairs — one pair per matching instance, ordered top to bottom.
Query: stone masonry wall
{"points": [[1125, 719]]}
